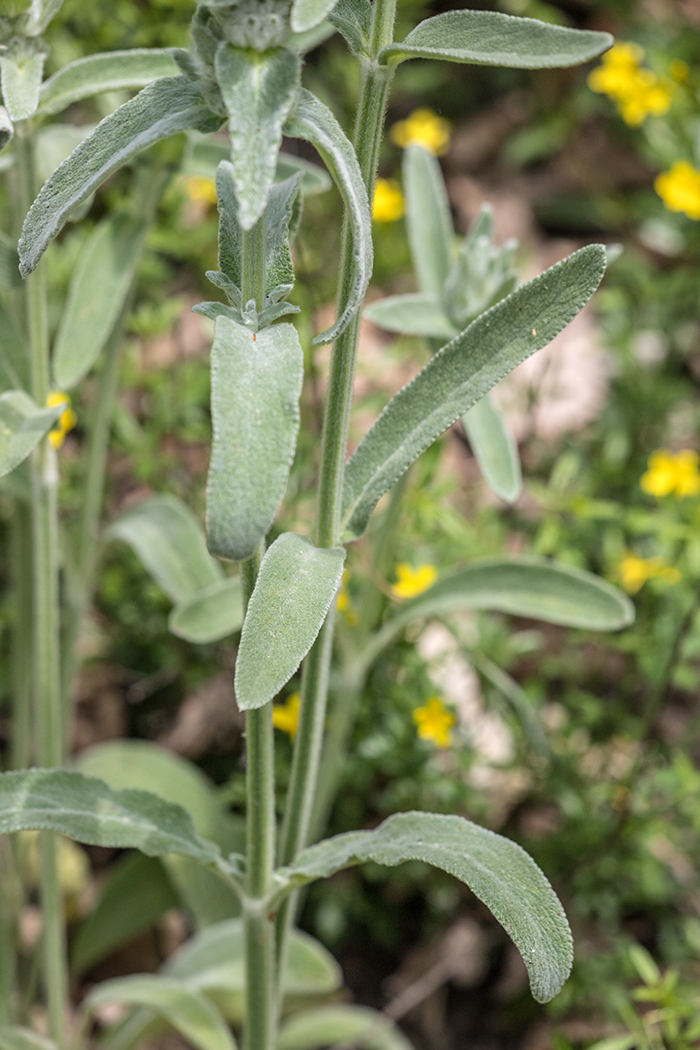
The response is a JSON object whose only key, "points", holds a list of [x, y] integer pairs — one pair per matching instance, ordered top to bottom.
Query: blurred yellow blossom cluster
{"points": [[638, 92], [423, 127], [679, 188], [200, 189], [388, 205], [66, 420], [672, 473], [635, 571], [411, 582], [285, 716], [434, 722]]}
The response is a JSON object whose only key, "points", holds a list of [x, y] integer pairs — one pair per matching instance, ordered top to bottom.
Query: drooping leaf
{"points": [[308, 13], [353, 19], [488, 38], [112, 71], [21, 80], [258, 89], [164, 108], [313, 121], [428, 220], [98, 289], [417, 313], [14, 356], [461, 373], [256, 382], [22, 426], [495, 448], [170, 542], [295, 587], [213, 613], [85, 809], [498, 871], [185, 1009], [340, 1024], [16, 1037]]}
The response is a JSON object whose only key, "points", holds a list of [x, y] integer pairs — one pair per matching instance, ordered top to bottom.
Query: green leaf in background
{"points": [[308, 13], [40, 15], [353, 19], [488, 38], [303, 43], [113, 71], [21, 81], [258, 89], [164, 108], [313, 121], [6, 128], [204, 155], [428, 220], [9, 264], [98, 289], [417, 313], [14, 358], [461, 373], [256, 382], [22, 426], [494, 448], [170, 542], [296, 585], [213, 613], [87, 810], [499, 872], [205, 895], [134, 896], [186, 1010], [341, 1024], [15, 1037]]}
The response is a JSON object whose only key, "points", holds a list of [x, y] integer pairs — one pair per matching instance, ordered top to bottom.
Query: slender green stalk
{"points": [[21, 569]]}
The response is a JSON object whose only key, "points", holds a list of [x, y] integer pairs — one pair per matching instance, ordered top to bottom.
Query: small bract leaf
{"points": [[308, 13], [353, 18], [488, 38], [113, 71], [21, 81], [428, 220], [98, 289], [414, 314], [461, 373], [256, 382], [22, 426], [494, 448], [170, 542], [295, 587], [213, 613], [499, 872], [357, 1026], [15, 1037]]}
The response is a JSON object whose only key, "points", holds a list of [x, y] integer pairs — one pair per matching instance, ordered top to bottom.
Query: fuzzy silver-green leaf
{"points": [[112, 71], [428, 220], [494, 448], [213, 613]]}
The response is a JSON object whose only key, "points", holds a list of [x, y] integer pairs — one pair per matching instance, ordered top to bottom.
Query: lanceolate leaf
{"points": [[308, 13], [353, 18], [488, 38], [113, 71], [21, 81], [259, 89], [162, 109], [313, 121], [428, 220], [98, 289], [414, 314], [461, 373], [256, 382], [22, 426], [495, 448], [170, 542], [295, 587], [212, 613], [87, 810], [498, 871], [341, 1024]]}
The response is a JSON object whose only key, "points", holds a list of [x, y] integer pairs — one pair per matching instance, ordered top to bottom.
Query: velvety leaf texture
{"points": [[308, 13], [353, 19], [489, 38], [113, 71], [20, 85], [162, 109], [313, 121], [428, 220], [461, 373], [256, 382], [22, 426], [494, 448], [294, 590], [211, 614], [87, 810], [498, 871]]}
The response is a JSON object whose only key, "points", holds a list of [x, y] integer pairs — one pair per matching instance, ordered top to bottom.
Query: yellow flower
{"points": [[637, 92], [424, 128], [679, 188], [200, 189], [388, 203], [66, 420], [672, 473], [634, 571], [413, 581], [344, 604], [286, 716], [434, 722]]}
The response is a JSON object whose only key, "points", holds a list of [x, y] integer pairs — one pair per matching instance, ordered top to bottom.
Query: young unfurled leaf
{"points": [[308, 13], [353, 19], [488, 38], [112, 71], [21, 81], [259, 89], [164, 108], [313, 121], [428, 220], [98, 289], [417, 313], [461, 373], [256, 382], [22, 426], [494, 448], [170, 542], [295, 587], [213, 613], [87, 810], [498, 871], [187, 1010], [341, 1024]]}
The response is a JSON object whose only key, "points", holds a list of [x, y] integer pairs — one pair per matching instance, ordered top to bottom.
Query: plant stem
{"points": [[21, 568]]}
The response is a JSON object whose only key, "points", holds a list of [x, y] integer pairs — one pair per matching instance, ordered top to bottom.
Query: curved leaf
{"points": [[308, 13], [488, 38], [112, 71], [21, 81], [162, 109], [313, 121], [428, 220], [417, 313], [461, 373], [256, 382], [22, 426], [494, 448], [170, 542], [295, 587], [211, 614], [499, 872], [357, 1026], [15, 1037]]}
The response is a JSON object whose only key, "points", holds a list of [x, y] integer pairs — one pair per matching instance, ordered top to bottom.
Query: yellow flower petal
{"points": [[425, 128], [679, 189], [201, 190], [388, 205], [66, 421], [412, 581], [285, 717], [434, 722]]}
